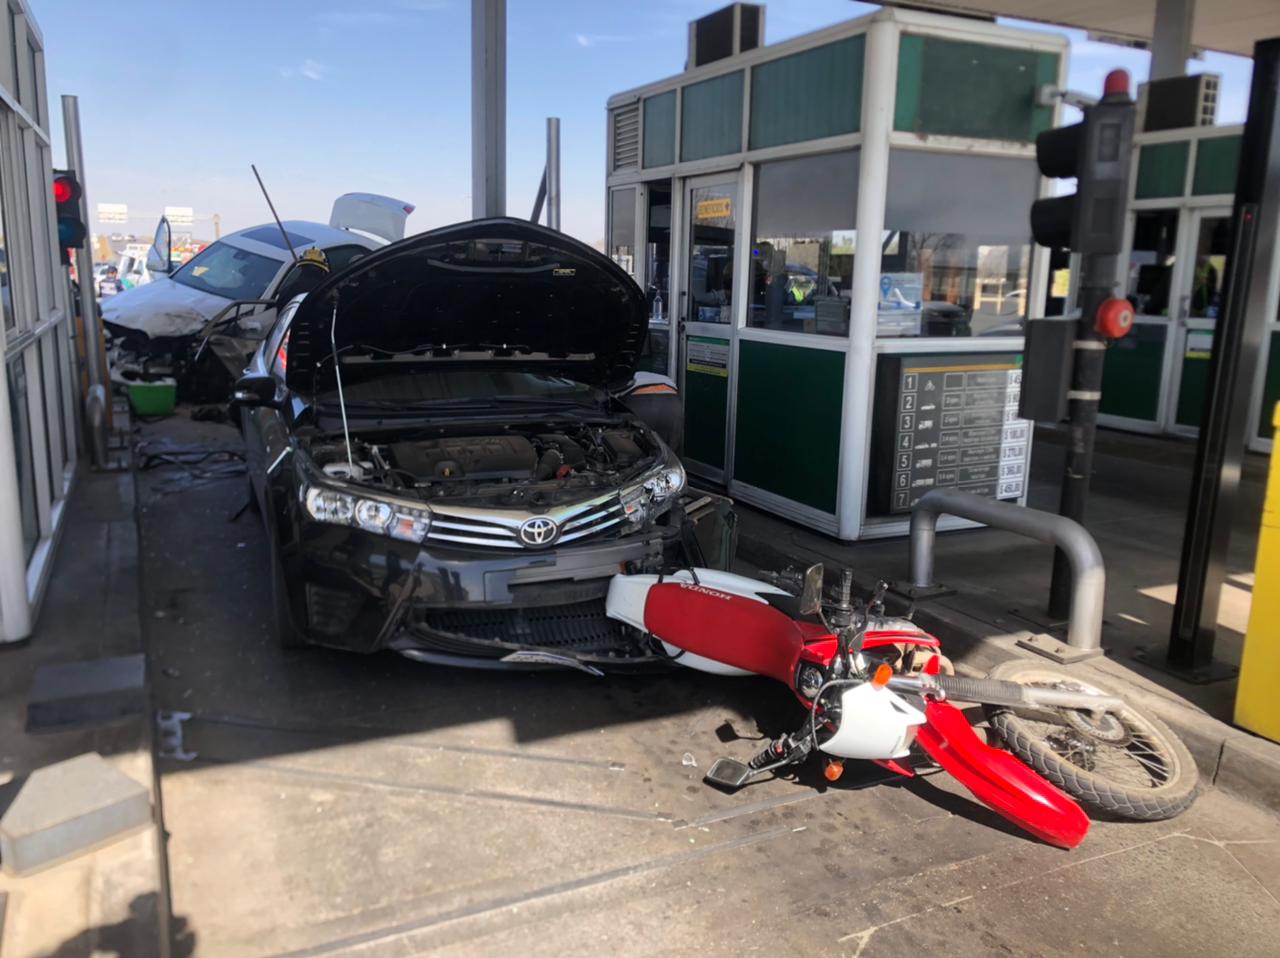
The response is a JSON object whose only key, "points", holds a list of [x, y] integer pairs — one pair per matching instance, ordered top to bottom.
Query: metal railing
{"points": [[1088, 574]]}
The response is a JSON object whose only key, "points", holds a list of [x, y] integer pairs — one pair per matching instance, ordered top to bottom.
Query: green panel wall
{"points": [[970, 89], [808, 95], [711, 117], [660, 129], [1216, 163], [1162, 170], [1132, 373], [1195, 378], [1270, 389], [706, 405], [787, 437]]}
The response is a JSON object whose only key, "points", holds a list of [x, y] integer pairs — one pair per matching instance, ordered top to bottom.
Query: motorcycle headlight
{"points": [[396, 519], [809, 680]]}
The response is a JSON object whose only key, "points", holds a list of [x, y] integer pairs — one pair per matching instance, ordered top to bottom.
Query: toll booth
{"points": [[1179, 236], [834, 239]]}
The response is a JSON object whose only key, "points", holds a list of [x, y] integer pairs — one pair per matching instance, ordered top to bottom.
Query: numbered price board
{"points": [[947, 421]]}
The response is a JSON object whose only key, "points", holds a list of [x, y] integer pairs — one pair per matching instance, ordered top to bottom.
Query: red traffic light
{"points": [[64, 189]]}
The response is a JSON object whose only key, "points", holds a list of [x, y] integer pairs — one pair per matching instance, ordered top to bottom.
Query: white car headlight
{"points": [[667, 483], [395, 519]]}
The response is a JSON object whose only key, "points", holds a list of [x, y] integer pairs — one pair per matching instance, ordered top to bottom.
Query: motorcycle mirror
{"points": [[811, 593], [728, 774]]}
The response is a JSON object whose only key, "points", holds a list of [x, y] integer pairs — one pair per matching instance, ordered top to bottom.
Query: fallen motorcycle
{"points": [[875, 688]]}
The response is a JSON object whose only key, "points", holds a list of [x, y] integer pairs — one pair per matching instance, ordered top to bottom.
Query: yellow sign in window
{"points": [[718, 208]]}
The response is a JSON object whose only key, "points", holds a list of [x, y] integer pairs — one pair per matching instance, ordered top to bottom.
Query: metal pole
{"points": [[488, 108], [553, 172], [539, 199], [1237, 342], [93, 350], [1088, 572]]}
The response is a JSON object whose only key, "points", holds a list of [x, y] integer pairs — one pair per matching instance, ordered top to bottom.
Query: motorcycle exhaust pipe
{"points": [[1009, 694]]}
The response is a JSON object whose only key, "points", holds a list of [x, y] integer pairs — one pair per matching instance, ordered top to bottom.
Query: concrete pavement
{"points": [[341, 805]]}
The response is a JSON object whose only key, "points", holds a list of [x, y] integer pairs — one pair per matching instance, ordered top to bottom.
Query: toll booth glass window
{"points": [[712, 211], [622, 228], [1155, 241], [803, 243], [1212, 245], [657, 252], [955, 257], [6, 288], [21, 424]]}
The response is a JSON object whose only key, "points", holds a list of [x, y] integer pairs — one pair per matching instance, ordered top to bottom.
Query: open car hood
{"points": [[492, 292]]}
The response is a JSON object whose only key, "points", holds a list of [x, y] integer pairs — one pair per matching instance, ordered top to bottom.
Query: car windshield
{"points": [[226, 270], [415, 388]]}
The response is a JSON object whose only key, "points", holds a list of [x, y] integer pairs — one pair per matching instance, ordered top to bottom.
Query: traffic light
{"points": [[1096, 152], [71, 228]]}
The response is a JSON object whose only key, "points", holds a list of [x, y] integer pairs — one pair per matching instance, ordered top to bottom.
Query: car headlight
{"points": [[652, 495], [396, 519]]}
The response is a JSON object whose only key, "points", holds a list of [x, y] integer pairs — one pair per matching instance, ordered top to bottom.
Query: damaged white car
{"points": [[233, 288]]}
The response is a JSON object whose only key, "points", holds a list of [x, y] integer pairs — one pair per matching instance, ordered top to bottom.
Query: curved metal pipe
{"points": [[1088, 573]]}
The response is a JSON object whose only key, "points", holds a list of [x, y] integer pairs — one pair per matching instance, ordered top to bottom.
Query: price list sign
{"points": [[950, 422]]}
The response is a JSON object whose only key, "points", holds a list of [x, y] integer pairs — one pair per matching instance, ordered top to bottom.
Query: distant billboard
{"points": [[114, 213], [179, 215]]}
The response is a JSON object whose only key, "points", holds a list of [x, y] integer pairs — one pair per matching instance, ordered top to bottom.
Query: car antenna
{"points": [[274, 214]]}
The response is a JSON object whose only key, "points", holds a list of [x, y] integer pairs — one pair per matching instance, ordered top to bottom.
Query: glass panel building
{"points": [[38, 438]]}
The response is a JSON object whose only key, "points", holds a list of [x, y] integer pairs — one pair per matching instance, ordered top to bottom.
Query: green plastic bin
{"points": [[153, 399]]}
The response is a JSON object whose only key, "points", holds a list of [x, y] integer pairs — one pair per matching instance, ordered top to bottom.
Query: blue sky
{"points": [[178, 98]]}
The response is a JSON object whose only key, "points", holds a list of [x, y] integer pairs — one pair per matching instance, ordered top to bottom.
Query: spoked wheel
{"points": [[1127, 763]]}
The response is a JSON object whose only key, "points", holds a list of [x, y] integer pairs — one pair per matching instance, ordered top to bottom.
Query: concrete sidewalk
{"points": [[1136, 513], [112, 900]]}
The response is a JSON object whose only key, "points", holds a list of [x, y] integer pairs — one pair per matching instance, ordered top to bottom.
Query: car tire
{"points": [[287, 635]]}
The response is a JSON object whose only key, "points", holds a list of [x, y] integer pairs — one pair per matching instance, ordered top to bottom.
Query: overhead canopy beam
{"points": [[1171, 38]]}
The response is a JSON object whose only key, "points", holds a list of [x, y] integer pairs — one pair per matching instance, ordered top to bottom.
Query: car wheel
{"points": [[286, 633]]}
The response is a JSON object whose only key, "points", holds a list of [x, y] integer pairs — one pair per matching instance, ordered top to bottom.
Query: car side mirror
{"points": [[160, 255], [256, 390], [811, 593]]}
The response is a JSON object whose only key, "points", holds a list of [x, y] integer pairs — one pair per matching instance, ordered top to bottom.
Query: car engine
{"points": [[540, 465]]}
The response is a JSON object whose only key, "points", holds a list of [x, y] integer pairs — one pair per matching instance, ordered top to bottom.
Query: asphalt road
{"points": [[348, 805]]}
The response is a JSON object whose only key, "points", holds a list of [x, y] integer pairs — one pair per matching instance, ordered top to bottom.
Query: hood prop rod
{"points": [[337, 375]]}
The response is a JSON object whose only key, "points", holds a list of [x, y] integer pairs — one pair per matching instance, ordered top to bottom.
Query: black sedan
{"points": [[449, 449]]}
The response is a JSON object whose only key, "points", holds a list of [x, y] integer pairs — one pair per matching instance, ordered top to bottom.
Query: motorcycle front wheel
{"points": [[1127, 763]]}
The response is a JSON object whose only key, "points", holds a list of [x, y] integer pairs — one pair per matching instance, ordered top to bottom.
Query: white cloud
{"points": [[583, 39], [591, 39], [310, 69]]}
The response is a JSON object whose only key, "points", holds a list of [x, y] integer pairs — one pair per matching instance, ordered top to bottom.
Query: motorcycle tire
{"points": [[1128, 764]]}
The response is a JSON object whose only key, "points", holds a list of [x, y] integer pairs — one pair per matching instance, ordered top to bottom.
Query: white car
{"points": [[159, 320]]}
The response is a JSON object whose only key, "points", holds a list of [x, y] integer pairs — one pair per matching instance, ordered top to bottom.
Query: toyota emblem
{"points": [[538, 531]]}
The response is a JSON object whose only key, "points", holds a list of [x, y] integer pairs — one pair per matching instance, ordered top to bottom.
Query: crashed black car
{"points": [[449, 447]]}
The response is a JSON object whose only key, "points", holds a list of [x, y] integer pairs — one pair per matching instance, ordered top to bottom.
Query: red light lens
{"points": [[1117, 81], [62, 190]]}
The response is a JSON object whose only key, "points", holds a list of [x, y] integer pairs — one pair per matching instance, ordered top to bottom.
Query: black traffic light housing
{"points": [[1096, 152], [71, 228]]}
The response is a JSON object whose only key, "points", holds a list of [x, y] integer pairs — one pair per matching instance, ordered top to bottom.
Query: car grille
{"points": [[500, 529], [577, 627]]}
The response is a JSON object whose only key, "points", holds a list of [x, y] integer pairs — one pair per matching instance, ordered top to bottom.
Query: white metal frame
{"points": [[875, 139], [40, 340]]}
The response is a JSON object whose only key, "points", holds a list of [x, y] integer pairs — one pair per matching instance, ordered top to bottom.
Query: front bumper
{"points": [[363, 592]]}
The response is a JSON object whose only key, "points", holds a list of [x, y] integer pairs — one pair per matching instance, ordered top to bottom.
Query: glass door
{"points": [[1198, 304], [707, 320], [1136, 370]]}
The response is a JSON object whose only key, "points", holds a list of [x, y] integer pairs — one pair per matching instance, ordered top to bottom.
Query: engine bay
{"points": [[534, 463]]}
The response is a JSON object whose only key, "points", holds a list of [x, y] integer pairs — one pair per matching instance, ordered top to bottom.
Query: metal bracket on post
{"points": [[1088, 573]]}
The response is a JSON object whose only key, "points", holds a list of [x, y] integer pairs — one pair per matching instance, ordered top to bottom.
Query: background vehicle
{"points": [[155, 327], [438, 447]]}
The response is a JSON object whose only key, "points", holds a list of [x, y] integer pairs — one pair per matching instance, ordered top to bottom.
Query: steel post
{"points": [[488, 108], [553, 172], [1238, 341], [93, 352], [1088, 573]]}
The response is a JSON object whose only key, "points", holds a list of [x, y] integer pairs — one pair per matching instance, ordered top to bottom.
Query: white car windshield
{"points": [[226, 270]]}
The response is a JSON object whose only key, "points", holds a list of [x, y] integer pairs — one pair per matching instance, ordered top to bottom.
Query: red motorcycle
{"points": [[875, 689]]}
